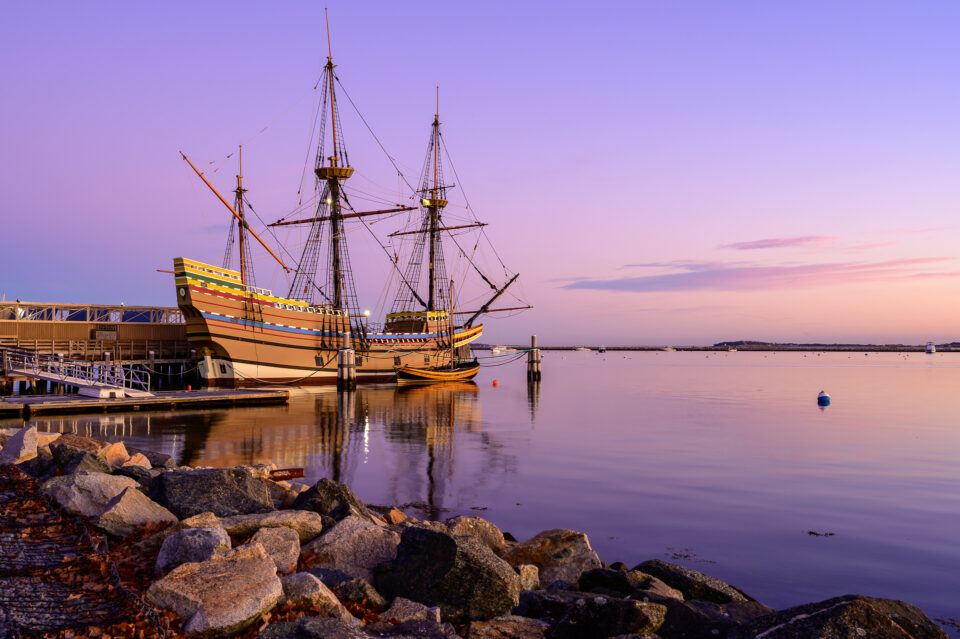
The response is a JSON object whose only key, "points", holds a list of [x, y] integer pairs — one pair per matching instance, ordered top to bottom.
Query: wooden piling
{"points": [[533, 361], [346, 366]]}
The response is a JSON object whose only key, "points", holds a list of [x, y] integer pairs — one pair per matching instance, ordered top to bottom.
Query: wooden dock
{"points": [[26, 406]]}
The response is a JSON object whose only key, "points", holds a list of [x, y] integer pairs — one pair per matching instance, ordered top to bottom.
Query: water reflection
{"points": [[405, 435]]}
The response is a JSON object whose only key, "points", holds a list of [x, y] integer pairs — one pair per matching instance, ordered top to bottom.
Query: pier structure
{"points": [[148, 339]]}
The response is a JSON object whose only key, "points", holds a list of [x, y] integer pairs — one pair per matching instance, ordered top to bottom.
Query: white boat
{"points": [[931, 348], [582, 349], [668, 349], [496, 350]]}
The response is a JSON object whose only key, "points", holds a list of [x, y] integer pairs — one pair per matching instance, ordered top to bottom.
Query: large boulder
{"points": [[77, 444], [20, 447], [75, 464], [143, 476], [222, 491], [87, 494], [332, 498], [131, 509], [307, 524], [480, 528], [191, 545], [283, 546], [354, 546], [560, 554], [461, 575], [621, 583], [692, 583], [304, 588], [222, 595], [549, 606], [849, 616], [594, 617], [701, 619], [508, 627], [314, 628], [411, 629]]}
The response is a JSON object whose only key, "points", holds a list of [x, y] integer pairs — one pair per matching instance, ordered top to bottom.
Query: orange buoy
{"points": [[494, 383], [189, 387]]}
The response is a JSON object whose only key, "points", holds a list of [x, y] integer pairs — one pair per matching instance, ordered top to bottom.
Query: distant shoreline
{"points": [[766, 347]]}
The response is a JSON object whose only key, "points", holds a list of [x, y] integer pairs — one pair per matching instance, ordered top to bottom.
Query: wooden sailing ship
{"points": [[245, 335]]}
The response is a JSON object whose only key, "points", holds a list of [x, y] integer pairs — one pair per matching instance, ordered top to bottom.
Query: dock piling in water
{"points": [[533, 361], [346, 366]]}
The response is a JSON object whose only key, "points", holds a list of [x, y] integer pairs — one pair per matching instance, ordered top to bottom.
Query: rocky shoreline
{"points": [[235, 552]]}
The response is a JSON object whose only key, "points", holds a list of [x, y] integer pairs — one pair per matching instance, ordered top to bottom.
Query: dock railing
{"points": [[73, 372]]}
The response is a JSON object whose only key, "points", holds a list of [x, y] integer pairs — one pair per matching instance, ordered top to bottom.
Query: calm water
{"points": [[722, 462]]}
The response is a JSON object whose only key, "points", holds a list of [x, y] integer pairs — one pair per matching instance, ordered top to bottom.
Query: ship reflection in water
{"points": [[389, 443]]}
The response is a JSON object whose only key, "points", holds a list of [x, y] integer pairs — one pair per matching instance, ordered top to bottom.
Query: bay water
{"points": [[719, 461]]}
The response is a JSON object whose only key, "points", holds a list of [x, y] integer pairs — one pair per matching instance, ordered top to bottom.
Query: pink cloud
{"points": [[781, 242], [751, 278]]}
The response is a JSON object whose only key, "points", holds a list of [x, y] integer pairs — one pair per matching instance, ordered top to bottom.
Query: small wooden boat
{"points": [[461, 372]]}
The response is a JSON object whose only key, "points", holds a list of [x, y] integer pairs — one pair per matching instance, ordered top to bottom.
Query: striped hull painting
{"points": [[249, 337]]}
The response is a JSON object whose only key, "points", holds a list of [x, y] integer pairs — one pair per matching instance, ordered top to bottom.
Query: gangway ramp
{"points": [[92, 379]]}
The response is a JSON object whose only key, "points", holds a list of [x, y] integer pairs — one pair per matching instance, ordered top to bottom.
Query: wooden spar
{"points": [[333, 111], [235, 214], [343, 216], [441, 228], [243, 262], [483, 309], [495, 310]]}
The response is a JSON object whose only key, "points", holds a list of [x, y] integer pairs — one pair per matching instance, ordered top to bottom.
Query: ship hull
{"points": [[248, 337]]}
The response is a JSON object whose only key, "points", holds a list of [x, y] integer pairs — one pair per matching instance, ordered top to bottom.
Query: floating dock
{"points": [[26, 406]]}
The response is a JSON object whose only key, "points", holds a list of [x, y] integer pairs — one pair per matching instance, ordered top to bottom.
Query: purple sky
{"points": [[657, 172]]}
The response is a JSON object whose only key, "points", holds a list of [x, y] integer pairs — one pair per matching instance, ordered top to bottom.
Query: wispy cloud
{"points": [[781, 242], [737, 277]]}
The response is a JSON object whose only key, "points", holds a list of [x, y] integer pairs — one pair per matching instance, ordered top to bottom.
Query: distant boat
{"points": [[931, 348], [582, 349], [602, 349], [669, 349], [731, 349], [496, 350], [462, 371], [823, 399]]}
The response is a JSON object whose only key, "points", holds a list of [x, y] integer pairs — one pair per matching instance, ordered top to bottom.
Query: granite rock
{"points": [[20, 447], [114, 455], [222, 491], [86, 494], [332, 498], [129, 510], [307, 524], [480, 528], [191, 545], [283, 546], [354, 546], [560, 554], [459, 574], [529, 576], [692, 583], [304, 588], [359, 590], [222, 595], [401, 610], [593, 617], [507, 627]]}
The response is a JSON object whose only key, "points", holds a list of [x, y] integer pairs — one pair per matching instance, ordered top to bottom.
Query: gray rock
{"points": [[76, 444], [20, 447], [115, 455], [157, 460], [83, 463], [41, 468], [146, 478], [222, 491], [86, 494], [334, 499], [129, 510], [307, 524], [480, 528], [191, 545], [283, 546], [354, 546], [560, 554], [459, 574], [529, 576], [330, 577], [621, 583], [692, 583], [304, 588], [359, 590], [223, 595], [541, 604], [401, 610], [606, 617], [846, 617], [701, 619], [508, 627], [328, 628], [413, 629], [282, 630]]}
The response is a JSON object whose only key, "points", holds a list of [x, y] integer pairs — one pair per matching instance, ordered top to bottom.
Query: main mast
{"points": [[434, 205]]}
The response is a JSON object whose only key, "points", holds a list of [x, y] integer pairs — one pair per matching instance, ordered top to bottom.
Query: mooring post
{"points": [[533, 361], [346, 366], [154, 378]]}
